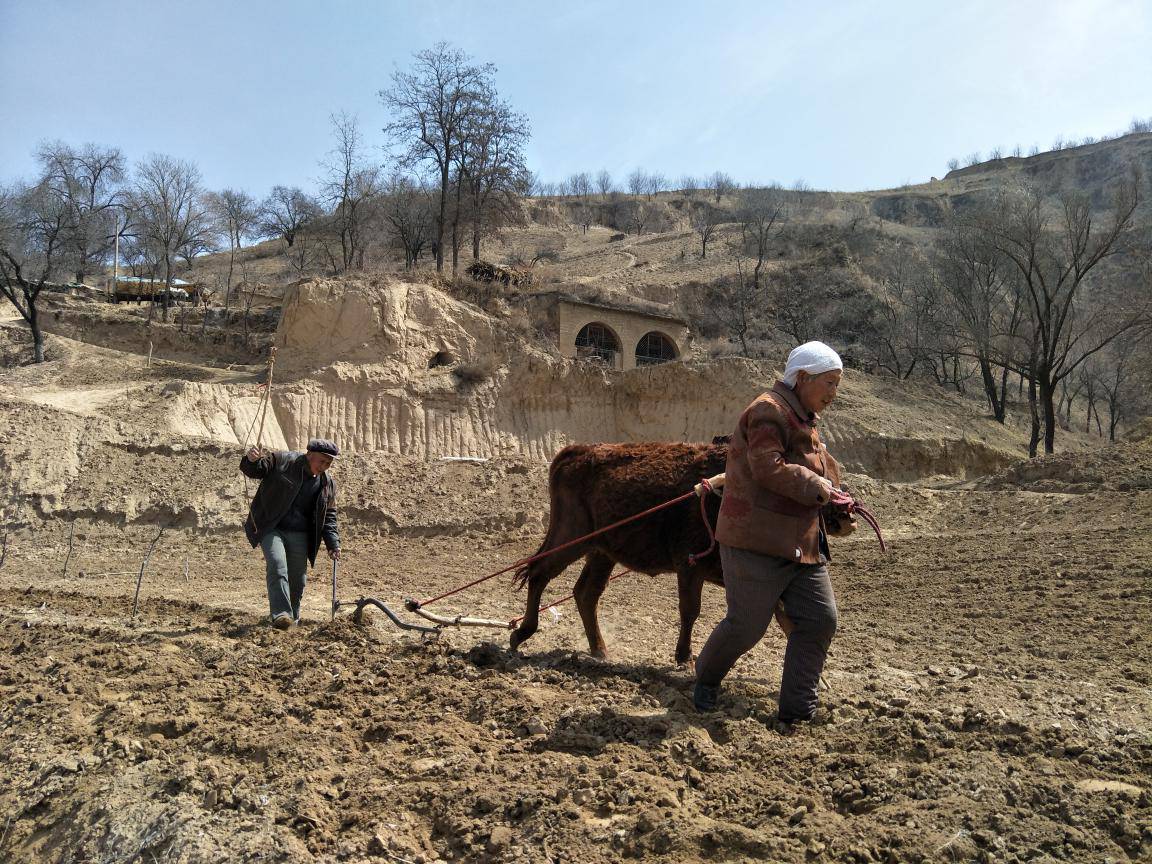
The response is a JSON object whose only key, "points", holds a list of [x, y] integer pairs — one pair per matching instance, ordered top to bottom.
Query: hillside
{"points": [[986, 695], [968, 714]]}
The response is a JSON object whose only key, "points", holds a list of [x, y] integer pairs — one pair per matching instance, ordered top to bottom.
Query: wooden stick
{"points": [[149, 353], [267, 396], [4, 549], [68, 557], [185, 568], [140, 578], [459, 620]]}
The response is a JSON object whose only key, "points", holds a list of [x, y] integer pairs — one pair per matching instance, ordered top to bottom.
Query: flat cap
{"points": [[323, 445]]}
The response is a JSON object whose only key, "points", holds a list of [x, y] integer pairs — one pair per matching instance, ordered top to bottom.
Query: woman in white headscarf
{"points": [[771, 535]]}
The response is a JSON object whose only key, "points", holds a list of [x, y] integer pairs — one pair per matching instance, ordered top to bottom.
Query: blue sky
{"points": [[842, 95]]}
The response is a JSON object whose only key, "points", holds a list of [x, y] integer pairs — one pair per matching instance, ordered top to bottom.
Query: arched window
{"points": [[597, 340], [654, 348]]}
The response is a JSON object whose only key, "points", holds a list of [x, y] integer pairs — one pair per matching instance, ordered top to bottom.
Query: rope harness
{"points": [[262, 408], [703, 489], [841, 500], [845, 503], [414, 605]]}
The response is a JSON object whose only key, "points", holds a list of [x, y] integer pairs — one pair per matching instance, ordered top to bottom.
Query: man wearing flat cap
{"points": [[292, 511]]}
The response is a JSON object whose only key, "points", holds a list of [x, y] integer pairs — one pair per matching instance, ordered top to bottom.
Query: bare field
{"points": [[989, 700]]}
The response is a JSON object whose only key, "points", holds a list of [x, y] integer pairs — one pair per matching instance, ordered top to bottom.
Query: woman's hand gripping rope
{"points": [[845, 507]]}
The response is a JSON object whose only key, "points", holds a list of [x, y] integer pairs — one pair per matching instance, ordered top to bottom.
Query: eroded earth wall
{"points": [[404, 369]]}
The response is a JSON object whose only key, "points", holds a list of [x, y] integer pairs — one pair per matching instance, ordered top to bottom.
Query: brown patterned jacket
{"points": [[772, 488]]}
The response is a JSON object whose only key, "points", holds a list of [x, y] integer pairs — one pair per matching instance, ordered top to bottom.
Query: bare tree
{"points": [[430, 108], [492, 167], [89, 181], [604, 182], [638, 182], [657, 183], [720, 184], [350, 185], [580, 185], [689, 185], [409, 210], [170, 212], [285, 212], [638, 214], [238, 215], [761, 215], [582, 216], [705, 221], [34, 245], [308, 250], [1056, 260], [907, 299], [791, 302], [986, 305], [733, 306], [1116, 378], [1087, 383]]}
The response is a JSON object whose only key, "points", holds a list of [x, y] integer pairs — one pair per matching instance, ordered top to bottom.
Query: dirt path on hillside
{"points": [[8, 312], [989, 690]]}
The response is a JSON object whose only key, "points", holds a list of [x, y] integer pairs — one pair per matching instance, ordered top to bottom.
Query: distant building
{"points": [[144, 288], [615, 335]]}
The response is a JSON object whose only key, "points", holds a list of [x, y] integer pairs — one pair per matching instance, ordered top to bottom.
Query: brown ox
{"points": [[592, 486]]}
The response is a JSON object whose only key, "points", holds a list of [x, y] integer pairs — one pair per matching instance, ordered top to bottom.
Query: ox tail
{"points": [[556, 471], [520, 577]]}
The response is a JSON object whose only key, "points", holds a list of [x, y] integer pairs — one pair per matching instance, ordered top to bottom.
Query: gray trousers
{"points": [[286, 570], [753, 583]]}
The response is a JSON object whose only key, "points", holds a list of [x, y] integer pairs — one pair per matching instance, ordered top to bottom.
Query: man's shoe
{"points": [[283, 621], [705, 697]]}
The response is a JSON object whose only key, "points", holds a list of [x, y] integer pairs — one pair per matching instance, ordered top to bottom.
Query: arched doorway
{"points": [[597, 341], [654, 347]]}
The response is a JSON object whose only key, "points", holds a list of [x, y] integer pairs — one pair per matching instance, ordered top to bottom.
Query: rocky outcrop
{"points": [[401, 368], [408, 380]]}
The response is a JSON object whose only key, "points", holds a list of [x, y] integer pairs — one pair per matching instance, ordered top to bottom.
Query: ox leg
{"points": [[540, 573], [690, 585], [589, 587], [783, 620]]}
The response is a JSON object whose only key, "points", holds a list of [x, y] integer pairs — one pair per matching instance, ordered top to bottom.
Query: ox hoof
{"points": [[688, 666]]}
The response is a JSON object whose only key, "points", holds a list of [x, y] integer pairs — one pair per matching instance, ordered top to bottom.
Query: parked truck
{"points": [[144, 290]]}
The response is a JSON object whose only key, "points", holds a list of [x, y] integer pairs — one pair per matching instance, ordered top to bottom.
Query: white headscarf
{"points": [[813, 358]]}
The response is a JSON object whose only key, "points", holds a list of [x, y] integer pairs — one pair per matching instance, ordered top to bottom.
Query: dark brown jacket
{"points": [[280, 474], [771, 489]]}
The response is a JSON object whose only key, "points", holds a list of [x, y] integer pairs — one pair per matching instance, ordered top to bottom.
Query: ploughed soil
{"points": [[988, 698]]}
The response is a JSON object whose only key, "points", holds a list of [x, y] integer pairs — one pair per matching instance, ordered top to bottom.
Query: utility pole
{"points": [[116, 257]]}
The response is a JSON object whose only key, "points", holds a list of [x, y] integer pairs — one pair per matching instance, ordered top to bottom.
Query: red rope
{"points": [[843, 499], [692, 559], [526, 561], [611, 578]]}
